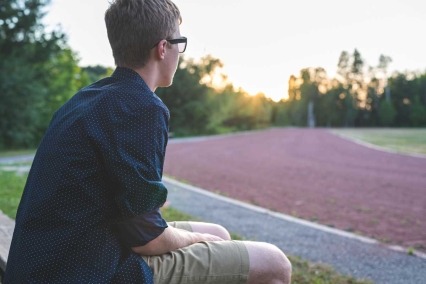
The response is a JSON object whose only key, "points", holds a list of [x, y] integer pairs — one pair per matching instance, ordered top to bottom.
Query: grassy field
{"points": [[402, 140], [12, 153], [11, 186], [304, 272]]}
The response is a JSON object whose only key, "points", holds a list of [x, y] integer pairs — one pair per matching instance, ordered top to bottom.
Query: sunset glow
{"points": [[262, 43]]}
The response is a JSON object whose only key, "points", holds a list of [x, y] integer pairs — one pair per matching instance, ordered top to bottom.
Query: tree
{"points": [[24, 49], [384, 62], [343, 68], [97, 72], [64, 80], [352, 80], [377, 90], [421, 91], [305, 92], [309, 93], [403, 93], [354, 97], [187, 99], [199, 104], [222, 104], [418, 106], [331, 109], [281, 113], [387, 113], [418, 113], [295, 115]]}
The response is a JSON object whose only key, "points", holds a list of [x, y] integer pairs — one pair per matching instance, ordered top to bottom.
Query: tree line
{"points": [[39, 72], [358, 96]]}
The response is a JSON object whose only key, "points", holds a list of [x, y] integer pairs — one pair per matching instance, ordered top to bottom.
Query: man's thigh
{"points": [[205, 262]]}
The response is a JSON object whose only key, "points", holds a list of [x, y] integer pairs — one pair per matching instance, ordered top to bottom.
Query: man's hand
{"points": [[207, 237], [172, 239]]}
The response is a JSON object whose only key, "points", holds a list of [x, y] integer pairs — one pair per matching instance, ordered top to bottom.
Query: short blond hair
{"points": [[135, 26]]}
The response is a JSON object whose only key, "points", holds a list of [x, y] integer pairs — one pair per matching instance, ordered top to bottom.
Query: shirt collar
{"points": [[124, 73]]}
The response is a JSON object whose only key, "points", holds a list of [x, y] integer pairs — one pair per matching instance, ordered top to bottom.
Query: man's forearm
{"points": [[172, 239]]}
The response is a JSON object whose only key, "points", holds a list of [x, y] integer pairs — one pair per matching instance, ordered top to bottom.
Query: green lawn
{"points": [[402, 140], [11, 153], [11, 186], [304, 272]]}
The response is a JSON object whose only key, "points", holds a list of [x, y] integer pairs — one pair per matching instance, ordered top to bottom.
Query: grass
{"points": [[402, 140], [11, 153], [11, 187]]}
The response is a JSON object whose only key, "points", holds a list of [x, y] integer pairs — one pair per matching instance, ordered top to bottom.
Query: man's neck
{"points": [[148, 75]]}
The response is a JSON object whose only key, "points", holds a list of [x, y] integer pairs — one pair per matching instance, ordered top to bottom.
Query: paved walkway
{"points": [[17, 159], [347, 253]]}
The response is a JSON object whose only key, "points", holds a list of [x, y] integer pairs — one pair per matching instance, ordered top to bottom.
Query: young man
{"points": [[90, 209]]}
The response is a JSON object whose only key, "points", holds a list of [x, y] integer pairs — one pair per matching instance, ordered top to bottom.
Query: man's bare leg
{"points": [[268, 264]]}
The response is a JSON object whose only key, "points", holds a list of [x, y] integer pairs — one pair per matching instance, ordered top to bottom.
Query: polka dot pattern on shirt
{"points": [[99, 165]]}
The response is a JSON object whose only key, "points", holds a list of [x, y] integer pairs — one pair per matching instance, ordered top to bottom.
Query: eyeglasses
{"points": [[181, 42]]}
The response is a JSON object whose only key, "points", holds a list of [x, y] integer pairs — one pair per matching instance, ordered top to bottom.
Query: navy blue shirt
{"points": [[94, 189]]}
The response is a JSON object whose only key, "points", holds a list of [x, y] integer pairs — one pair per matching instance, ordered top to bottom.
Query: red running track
{"points": [[314, 175]]}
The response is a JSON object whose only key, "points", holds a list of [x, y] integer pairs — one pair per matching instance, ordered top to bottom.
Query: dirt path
{"points": [[314, 175]]}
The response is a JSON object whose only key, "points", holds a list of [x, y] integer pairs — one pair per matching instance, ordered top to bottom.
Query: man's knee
{"points": [[222, 232], [268, 264], [280, 265]]}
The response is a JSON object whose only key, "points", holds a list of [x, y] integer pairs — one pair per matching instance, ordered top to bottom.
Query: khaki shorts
{"points": [[206, 262]]}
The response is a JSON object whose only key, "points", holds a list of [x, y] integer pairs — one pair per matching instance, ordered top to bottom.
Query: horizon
{"points": [[260, 55]]}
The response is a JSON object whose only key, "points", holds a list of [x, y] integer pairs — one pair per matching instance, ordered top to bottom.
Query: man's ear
{"points": [[160, 49]]}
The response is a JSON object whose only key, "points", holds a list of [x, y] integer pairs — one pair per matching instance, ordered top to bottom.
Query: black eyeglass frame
{"points": [[179, 40], [176, 41]]}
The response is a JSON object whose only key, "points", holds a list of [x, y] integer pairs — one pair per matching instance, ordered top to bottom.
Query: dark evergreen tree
{"points": [[25, 47]]}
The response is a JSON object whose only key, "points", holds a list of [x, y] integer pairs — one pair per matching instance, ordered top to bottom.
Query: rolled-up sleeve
{"points": [[137, 139], [140, 230]]}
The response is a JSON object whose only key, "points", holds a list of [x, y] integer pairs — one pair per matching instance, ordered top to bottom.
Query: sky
{"points": [[262, 43]]}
